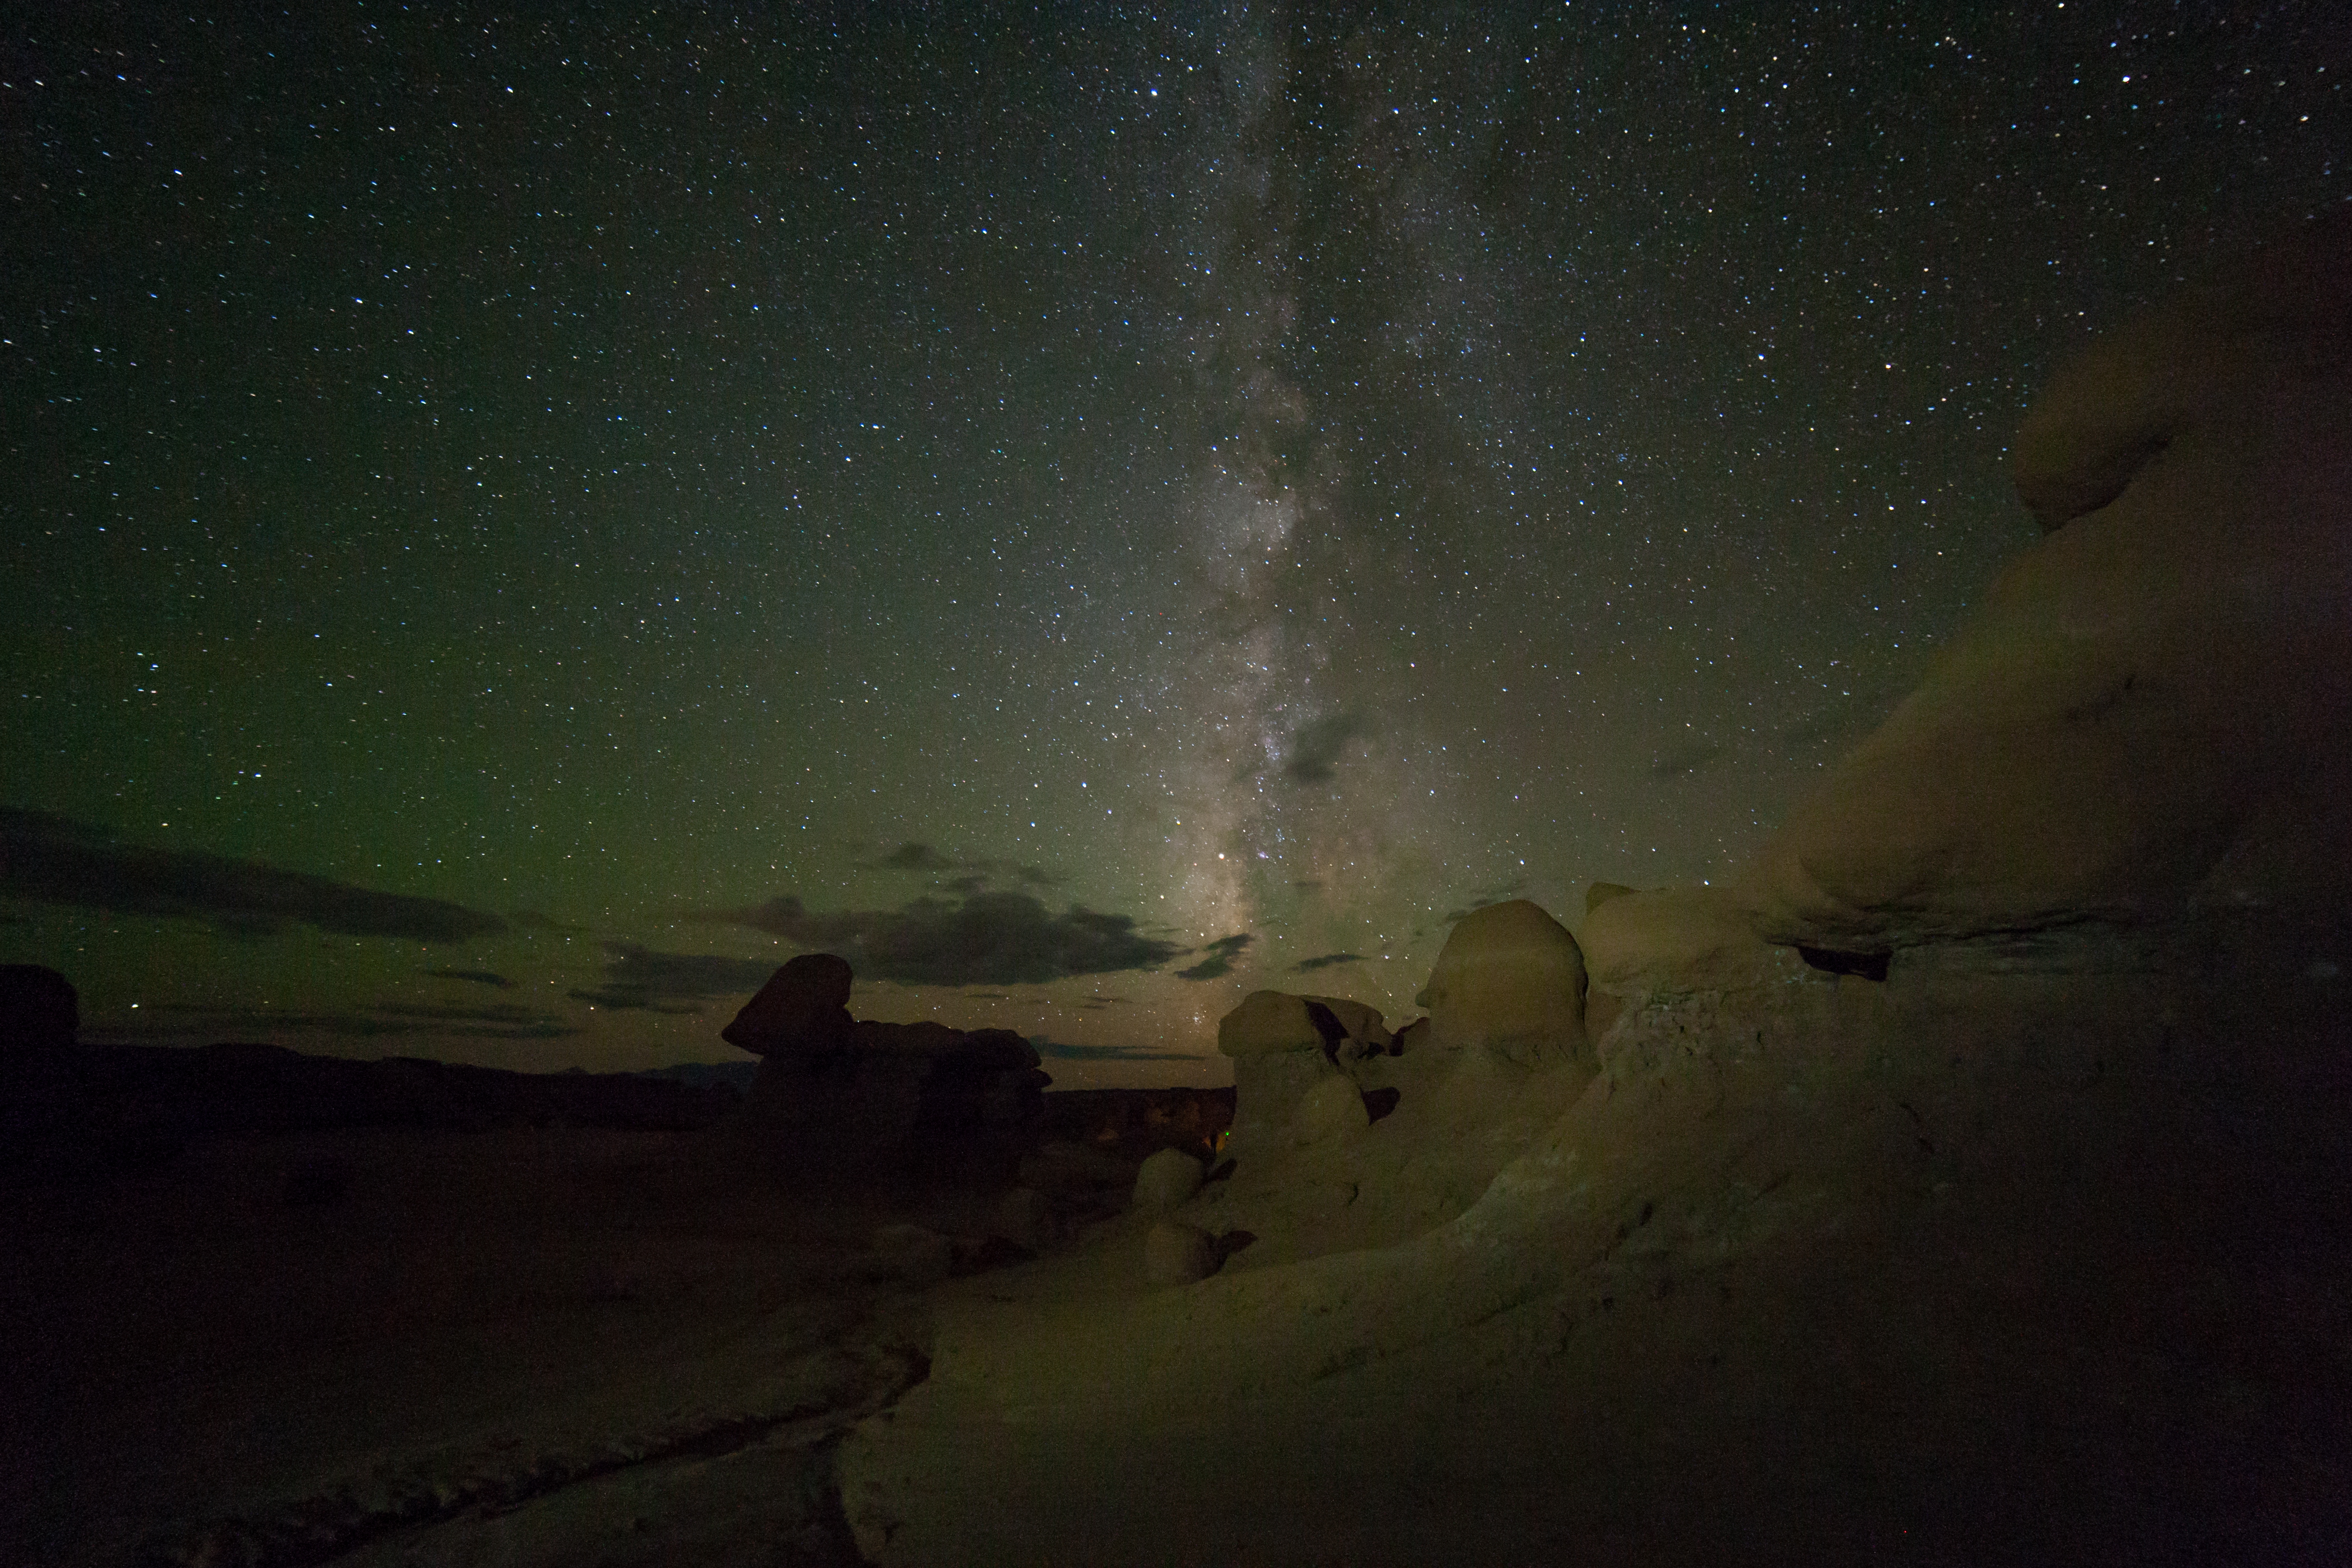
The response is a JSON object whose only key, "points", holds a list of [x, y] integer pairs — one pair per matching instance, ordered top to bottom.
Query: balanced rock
{"points": [[2150, 712], [1510, 980], [803, 1009], [1285, 1045], [848, 1098], [1166, 1180], [1178, 1254]]}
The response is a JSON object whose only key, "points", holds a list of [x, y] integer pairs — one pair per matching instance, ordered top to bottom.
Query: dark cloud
{"points": [[1316, 747], [1684, 758], [912, 856], [52, 859], [977, 874], [1307, 885], [539, 920], [988, 939], [1220, 962], [1308, 965], [478, 976], [644, 979], [987, 996], [616, 999], [197, 1020], [1054, 1050]]}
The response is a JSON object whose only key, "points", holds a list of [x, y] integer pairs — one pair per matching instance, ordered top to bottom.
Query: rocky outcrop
{"points": [[2151, 712], [1675, 940], [1511, 981], [1287, 1049], [894, 1096]]}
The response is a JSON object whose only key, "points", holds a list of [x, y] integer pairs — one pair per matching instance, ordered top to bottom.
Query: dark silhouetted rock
{"points": [[803, 1009], [39, 1010], [915, 1097]]}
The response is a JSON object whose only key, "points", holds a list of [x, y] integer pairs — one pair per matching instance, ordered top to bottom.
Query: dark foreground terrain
{"points": [[457, 1321]]}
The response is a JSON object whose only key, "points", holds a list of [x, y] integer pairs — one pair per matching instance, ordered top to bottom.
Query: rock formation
{"points": [[2151, 712], [1510, 981], [803, 1009], [848, 1100], [1166, 1180], [1890, 1205]]}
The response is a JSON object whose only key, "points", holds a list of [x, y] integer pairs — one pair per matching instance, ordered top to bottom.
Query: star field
{"points": [[1089, 511]]}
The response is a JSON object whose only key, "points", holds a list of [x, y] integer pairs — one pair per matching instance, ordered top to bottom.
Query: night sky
{"points": [[517, 523]]}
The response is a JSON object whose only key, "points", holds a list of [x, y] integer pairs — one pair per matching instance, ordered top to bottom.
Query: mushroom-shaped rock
{"points": [[2151, 709], [1678, 940], [1510, 979], [803, 1009], [1282, 1046], [1166, 1180], [1178, 1254]]}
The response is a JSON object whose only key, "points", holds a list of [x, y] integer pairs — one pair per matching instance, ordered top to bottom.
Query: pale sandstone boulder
{"points": [[2151, 709], [1678, 940], [1510, 980], [1268, 1022], [1285, 1047], [1332, 1109], [1166, 1180]]}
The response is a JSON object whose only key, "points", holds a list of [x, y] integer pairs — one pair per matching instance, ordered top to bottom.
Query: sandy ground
{"points": [[1960, 1267], [439, 1347]]}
